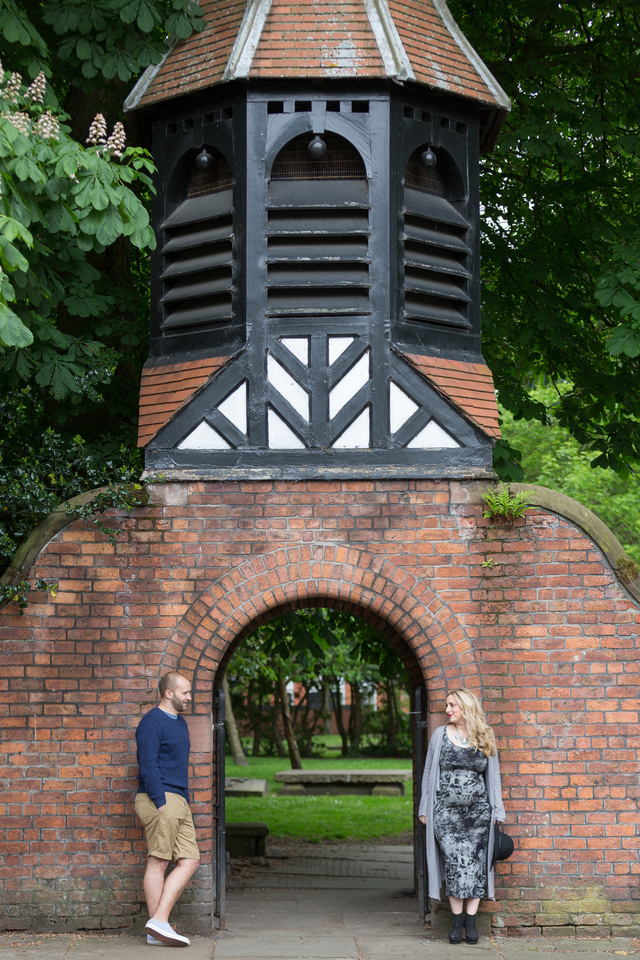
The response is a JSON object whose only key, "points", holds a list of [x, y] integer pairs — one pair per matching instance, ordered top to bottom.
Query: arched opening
{"points": [[318, 229], [435, 237], [197, 251], [407, 610], [350, 737]]}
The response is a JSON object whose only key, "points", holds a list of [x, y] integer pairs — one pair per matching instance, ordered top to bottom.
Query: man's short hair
{"points": [[169, 681]]}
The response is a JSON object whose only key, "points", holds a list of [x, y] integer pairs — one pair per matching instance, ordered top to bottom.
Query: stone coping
{"points": [[543, 497], [592, 525]]}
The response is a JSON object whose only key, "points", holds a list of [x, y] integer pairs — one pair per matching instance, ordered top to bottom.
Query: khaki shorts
{"points": [[171, 834]]}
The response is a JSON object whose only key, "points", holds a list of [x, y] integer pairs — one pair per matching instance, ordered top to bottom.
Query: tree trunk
{"points": [[326, 709], [337, 709], [392, 712], [255, 716], [355, 717], [307, 727], [232, 728], [277, 736], [294, 753]]}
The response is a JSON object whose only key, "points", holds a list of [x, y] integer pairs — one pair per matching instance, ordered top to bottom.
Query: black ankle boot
{"points": [[470, 930], [455, 933]]}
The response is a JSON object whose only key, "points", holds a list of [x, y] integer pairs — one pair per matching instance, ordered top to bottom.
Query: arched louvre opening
{"points": [[318, 231], [198, 248], [436, 254]]}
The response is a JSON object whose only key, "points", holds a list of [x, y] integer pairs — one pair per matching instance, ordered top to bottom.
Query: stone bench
{"points": [[373, 783], [245, 787], [246, 839]]}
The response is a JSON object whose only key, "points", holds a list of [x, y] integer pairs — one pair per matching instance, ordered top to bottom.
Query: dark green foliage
{"points": [[81, 42], [561, 196], [74, 243], [555, 459], [40, 467], [18, 592]]}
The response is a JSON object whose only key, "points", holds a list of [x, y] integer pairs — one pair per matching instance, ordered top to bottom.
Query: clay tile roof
{"points": [[323, 38], [404, 39], [440, 54], [196, 63], [468, 385], [166, 387]]}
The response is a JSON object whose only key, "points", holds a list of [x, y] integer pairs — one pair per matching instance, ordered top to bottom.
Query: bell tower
{"points": [[315, 290]]}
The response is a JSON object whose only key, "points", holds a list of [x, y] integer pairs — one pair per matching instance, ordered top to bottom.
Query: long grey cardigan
{"points": [[430, 782]]}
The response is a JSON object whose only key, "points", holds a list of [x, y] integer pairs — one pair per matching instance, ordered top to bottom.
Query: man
{"points": [[162, 806]]}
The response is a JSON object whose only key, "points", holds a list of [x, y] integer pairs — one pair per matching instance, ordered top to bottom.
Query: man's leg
{"points": [[153, 883], [172, 888]]}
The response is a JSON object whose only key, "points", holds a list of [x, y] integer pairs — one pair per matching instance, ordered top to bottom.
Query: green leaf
{"points": [[83, 49], [110, 226], [12, 229], [12, 258], [13, 332], [624, 341]]}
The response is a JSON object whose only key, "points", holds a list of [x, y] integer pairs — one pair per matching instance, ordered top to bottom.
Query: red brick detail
{"points": [[326, 38], [433, 53], [199, 61], [468, 385], [164, 389], [532, 614], [428, 637]]}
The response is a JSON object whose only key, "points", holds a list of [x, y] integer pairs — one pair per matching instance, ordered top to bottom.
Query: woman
{"points": [[461, 800]]}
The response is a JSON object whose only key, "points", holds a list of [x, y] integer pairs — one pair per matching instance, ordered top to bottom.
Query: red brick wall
{"points": [[531, 616]]}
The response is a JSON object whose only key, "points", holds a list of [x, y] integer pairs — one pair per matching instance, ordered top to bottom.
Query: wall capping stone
{"points": [[539, 496], [64, 514], [593, 526]]}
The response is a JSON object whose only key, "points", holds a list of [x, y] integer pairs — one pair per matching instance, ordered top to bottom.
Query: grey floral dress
{"points": [[462, 818]]}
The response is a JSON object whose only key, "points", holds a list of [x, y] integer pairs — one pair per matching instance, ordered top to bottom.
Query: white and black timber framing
{"points": [[316, 284]]}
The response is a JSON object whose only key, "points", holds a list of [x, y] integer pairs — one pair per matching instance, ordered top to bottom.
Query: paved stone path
{"points": [[329, 903]]}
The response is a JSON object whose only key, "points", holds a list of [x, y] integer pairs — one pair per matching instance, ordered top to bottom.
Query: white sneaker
{"points": [[166, 934]]}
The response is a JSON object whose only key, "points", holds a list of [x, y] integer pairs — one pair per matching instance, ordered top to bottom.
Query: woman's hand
{"points": [[423, 820]]}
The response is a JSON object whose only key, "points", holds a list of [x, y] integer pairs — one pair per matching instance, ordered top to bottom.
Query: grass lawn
{"points": [[324, 818]]}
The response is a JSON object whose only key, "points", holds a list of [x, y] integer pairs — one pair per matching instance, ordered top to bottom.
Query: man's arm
{"points": [[148, 739]]}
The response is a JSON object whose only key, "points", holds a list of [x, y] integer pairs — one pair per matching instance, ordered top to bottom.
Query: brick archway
{"points": [[404, 607], [426, 634]]}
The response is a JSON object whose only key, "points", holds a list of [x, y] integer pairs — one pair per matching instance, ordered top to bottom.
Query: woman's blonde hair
{"points": [[480, 734]]}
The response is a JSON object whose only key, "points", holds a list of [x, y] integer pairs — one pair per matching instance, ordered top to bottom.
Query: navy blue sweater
{"points": [[163, 755]]}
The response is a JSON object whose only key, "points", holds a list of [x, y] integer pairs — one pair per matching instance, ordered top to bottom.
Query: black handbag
{"points": [[502, 844]]}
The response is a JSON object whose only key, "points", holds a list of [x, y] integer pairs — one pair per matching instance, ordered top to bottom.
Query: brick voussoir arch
{"points": [[261, 587]]}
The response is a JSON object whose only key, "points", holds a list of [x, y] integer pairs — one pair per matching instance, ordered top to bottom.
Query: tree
{"points": [[561, 195], [62, 202], [561, 234], [74, 244], [552, 457], [40, 467], [319, 650], [231, 728]]}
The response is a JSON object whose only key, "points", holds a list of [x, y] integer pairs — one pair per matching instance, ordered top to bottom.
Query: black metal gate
{"points": [[420, 737], [219, 865]]}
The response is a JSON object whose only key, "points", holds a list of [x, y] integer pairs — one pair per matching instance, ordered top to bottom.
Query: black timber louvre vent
{"points": [[318, 231], [198, 250], [436, 255]]}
